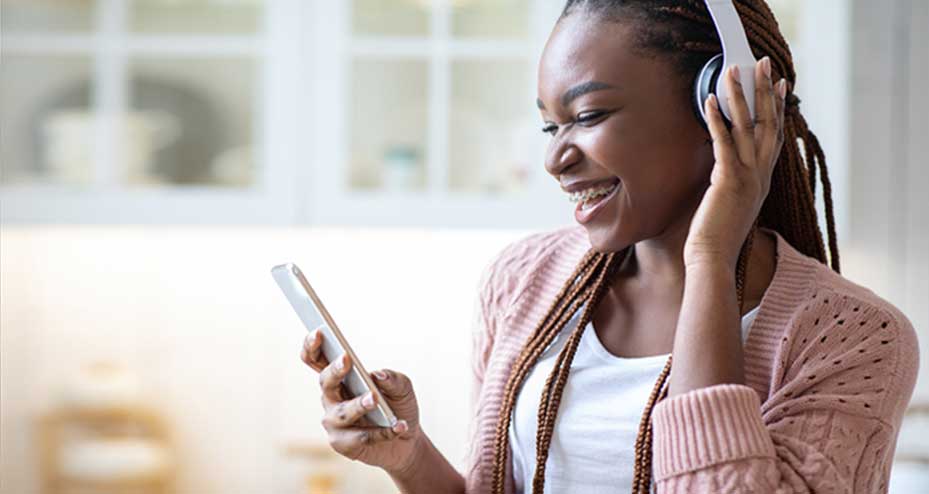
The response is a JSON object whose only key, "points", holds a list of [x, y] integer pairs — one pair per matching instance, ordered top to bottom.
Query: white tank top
{"points": [[592, 447]]}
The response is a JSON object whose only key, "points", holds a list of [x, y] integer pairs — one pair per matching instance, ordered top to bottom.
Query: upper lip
{"points": [[579, 185]]}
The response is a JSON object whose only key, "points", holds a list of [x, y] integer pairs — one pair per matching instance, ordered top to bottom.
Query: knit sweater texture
{"points": [[829, 370]]}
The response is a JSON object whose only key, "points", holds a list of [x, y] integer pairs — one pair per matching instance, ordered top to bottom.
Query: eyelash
{"points": [[590, 116]]}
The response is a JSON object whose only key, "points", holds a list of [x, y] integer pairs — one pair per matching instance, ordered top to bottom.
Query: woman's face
{"points": [[631, 120]]}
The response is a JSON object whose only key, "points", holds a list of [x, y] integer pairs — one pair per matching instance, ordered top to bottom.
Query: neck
{"points": [[659, 261], [656, 266]]}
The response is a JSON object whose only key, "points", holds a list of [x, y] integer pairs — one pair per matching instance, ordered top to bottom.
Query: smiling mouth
{"points": [[585, 211]]}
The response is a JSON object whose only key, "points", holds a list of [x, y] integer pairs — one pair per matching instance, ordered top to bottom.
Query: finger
{"points": [[781, 91], [765, 112], [743, 128], [723, 146], [311, 352], [330, 380], [395, 386], [349, 412], [351, 442]]}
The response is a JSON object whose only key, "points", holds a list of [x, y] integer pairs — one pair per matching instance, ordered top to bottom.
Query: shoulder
{"points": [[524, 260], [836, 296], [830, 300], [845, 340]]}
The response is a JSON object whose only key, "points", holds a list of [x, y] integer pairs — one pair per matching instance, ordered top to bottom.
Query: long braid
{"points": [[683, 31], [579, 281], [549, 408]]}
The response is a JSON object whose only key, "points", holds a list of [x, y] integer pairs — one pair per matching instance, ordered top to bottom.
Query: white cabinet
{"points": [[372, 112]]}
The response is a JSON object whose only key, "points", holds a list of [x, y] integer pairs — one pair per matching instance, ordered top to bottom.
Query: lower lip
{"points": [[584, 216]]}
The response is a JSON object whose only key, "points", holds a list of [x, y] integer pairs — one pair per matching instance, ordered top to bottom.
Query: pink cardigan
{"points": [[830, 368]]}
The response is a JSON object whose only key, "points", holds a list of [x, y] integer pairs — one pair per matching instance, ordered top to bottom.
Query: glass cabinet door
{"points": [[73, 16], [195, 16], [391, 17], [494, 19], [441, 96], [431, 108], [149, 110], [189, 121], [388, 121], [47, 122], [492, 128]]}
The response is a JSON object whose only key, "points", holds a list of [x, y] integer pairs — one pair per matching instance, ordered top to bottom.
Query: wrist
{"points": [[710, 266], [408, 470]]}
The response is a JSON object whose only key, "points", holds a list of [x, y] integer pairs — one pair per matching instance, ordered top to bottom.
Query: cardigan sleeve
{"points": [[493, 289], [842, 379]]}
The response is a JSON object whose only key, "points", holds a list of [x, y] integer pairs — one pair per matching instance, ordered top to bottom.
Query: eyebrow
{"points": [[576, 91]]}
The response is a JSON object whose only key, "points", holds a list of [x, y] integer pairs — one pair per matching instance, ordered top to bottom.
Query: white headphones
{"points": [[736, 51]]}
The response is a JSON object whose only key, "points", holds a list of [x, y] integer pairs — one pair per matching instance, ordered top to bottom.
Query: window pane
{"points": [[46, 15], [196, 16], [391, 17], [490, 18], [190, 121], [46, 122], [388, 124], [494, 128]]}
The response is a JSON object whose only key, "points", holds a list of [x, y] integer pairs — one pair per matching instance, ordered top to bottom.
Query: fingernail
{"points": [[766, 65], [735, 73], [782, 88], [344, 360], [340, 362], [380, 375], [368, 400], [400, 426]]}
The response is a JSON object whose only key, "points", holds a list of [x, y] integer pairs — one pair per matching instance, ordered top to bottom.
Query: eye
{"points": [[589, 117], [585, 118]]}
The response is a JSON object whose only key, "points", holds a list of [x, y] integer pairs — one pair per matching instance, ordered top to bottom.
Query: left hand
{"points": [[741, 176]]}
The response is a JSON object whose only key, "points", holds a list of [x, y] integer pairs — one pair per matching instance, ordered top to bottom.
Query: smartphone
{"points": [[314, 315]]}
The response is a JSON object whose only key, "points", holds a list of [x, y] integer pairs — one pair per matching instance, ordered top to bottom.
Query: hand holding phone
{"points": [[360, 418]]}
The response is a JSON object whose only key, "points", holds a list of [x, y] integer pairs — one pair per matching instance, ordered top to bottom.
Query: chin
{"points": [[606, 240]]}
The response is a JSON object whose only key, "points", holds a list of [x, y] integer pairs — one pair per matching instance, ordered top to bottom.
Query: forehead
{"points": [[582, 48]]}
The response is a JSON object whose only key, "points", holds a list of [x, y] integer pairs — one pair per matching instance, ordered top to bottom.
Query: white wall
{"points": [[862, 69], [887, 248]]}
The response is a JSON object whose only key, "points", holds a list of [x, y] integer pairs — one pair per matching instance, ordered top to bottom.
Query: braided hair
{"points": [[684, 31]]}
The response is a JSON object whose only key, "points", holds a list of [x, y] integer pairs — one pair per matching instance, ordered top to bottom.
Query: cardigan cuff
{"points": [[707, 426]]}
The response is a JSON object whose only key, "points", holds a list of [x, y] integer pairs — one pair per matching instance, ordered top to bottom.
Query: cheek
{"points": [[639, 153], [659, 161]]}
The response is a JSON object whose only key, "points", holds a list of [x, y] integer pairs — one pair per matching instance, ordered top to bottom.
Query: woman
{"points": [[701, 243]]}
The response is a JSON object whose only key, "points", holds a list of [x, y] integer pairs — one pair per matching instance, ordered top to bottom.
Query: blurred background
{"points": [[157, 157]]}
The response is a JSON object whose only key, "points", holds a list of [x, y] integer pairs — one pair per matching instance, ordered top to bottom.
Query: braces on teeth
{"points": [[591, 193]]}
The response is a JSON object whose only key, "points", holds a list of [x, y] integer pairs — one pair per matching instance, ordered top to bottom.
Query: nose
{"points": [[561, 155]]}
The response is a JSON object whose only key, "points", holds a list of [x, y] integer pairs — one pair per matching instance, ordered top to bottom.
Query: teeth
{"points": [[585, 195]]}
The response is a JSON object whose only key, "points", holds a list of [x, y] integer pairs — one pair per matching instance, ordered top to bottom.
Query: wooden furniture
{"points": [[108, 450], [325, 474]]}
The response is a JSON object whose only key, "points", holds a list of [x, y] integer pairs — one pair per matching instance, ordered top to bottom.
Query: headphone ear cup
{"points": [[705, 84]]}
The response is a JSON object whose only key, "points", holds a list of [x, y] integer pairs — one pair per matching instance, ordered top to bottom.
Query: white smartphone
{"points": [[314, 315]]}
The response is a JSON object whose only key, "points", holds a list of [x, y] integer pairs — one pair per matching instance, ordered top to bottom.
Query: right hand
{"points": [[353, 435]]}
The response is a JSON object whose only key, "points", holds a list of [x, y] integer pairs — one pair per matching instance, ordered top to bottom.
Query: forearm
{"points": [[707, 342], [429, 473]]}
